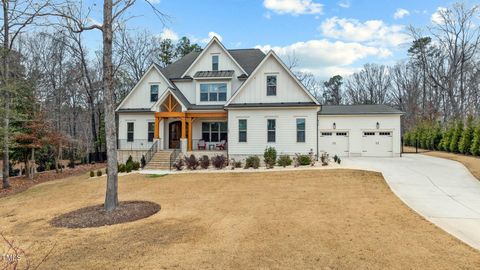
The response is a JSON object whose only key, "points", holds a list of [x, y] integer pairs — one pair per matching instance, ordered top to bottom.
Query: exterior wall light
{"points": [[334, 125], [378, 125]]}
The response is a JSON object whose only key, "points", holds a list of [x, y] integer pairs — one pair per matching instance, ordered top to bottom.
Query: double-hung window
{"points": [[215, 62], [271, 85], [213, 92], [153, 93], [300, 129], [242, 130], [271, 130], [151, 131], [214, 131], [130, 132]]}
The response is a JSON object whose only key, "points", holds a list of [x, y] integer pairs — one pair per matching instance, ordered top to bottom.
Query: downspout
{"points": [[317, 132]]}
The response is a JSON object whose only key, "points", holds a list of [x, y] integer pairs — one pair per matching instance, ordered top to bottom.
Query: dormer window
{"points": [[214, 62], [271, 85], [153, 93]]}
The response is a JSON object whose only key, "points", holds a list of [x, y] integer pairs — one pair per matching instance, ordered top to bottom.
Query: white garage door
{"points": [[334, 143], [377, 144]]}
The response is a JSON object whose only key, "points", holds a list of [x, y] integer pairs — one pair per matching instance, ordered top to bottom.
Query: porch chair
{"points": [[201, 145], [221, 145]]}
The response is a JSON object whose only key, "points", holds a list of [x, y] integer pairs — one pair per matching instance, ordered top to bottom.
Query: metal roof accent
{"points": [[214, 74]]}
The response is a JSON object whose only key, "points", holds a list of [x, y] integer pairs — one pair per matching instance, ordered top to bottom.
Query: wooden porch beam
{"points": [[170, 114], [183, 128], [156, 134]]}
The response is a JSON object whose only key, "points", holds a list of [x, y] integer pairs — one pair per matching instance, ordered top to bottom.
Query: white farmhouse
{"points": [[237, 103]]}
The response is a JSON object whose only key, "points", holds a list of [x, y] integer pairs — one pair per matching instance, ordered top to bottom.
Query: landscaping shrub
{"points": [[457, 133], [466, 140], [475, 147], [270, 157], [335, 158], [325, 159], [304, 160], [339, 160], [129, 161], [143, 161], [219, 161], [284, 161], [192, 162], [204, 162], [252, 162], [179, 164], [237, 164], [136, 165], [129, 167], [122, 168], [99, 173], [92, 174]]}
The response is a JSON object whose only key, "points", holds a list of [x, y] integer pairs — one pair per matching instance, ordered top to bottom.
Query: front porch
{"points": [[176, 128]]}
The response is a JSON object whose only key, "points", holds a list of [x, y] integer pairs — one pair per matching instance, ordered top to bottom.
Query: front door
{"points": [[174, 134]]}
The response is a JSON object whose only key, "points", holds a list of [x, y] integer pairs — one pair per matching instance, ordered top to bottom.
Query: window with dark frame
{"points": [[215, 62], [271, 85], [213, 92], [153, 93], [300, 129], [242, 130], [271, 130], [151, 131], [214, 131], [130, 132]]}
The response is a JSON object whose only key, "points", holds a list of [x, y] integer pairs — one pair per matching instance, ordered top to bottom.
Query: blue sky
{"points": [[327, 37]]}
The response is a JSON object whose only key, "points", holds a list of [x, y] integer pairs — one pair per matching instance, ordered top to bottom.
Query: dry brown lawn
{"points": [[472, 163], [318, 219]]}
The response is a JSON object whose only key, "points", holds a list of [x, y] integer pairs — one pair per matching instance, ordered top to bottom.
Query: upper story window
{"points": [[215, 62], [271, 85], [213, 92], [153, 93]]}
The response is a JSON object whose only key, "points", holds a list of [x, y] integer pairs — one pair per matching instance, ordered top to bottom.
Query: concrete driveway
{"points": [[441, 190]]}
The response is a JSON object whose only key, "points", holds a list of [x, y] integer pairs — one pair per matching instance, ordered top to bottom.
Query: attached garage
{"points": [[359, 130], [334, 142]]}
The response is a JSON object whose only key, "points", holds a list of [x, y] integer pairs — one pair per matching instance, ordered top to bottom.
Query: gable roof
{"points": [[271, 53], [247, 59], [169, 83], [358, 109]]}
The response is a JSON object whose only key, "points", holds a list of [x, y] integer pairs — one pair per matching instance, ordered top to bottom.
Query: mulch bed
{"points": [[22, 183], [96, 216]]}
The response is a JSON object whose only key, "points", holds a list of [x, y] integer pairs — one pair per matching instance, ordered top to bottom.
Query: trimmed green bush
{"points": [[457, 133], [467, 135], [475, 147], [270, 157], [304, 160], [284, 161], [204, 162], [252, 162], [135, 165], [129, 167], [122, 168], [99, 173], [92, 174]]}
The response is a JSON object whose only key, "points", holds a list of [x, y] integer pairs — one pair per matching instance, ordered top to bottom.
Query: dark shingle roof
{"points": [[248, 59], [214, 74], [357, 109], [134, 110]]}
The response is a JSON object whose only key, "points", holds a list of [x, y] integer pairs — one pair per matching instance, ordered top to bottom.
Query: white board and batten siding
{"points": [[288, 89], [139, 97], [140, 124], [286, 131], [358, 135]]}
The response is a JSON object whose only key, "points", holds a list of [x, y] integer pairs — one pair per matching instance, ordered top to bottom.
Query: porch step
{"points": [[159, 161]]}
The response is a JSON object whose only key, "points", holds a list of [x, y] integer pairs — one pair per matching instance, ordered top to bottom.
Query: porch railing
{"points": [[124, 144], [151, 152], [173, 157]]}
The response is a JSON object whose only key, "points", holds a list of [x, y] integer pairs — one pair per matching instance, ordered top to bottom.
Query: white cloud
{"points": [[344, 4], [293, 7], [400, 13], [437, 15], [372, 32], [169, 34], [205, 40], [325, 58]]}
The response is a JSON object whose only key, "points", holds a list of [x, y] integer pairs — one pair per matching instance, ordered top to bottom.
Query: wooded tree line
{"points": [[438, 82]]}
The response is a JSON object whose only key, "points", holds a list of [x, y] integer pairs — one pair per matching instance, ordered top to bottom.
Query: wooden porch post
{"points": [[183, 128], [155, 132], [189, 134]]}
